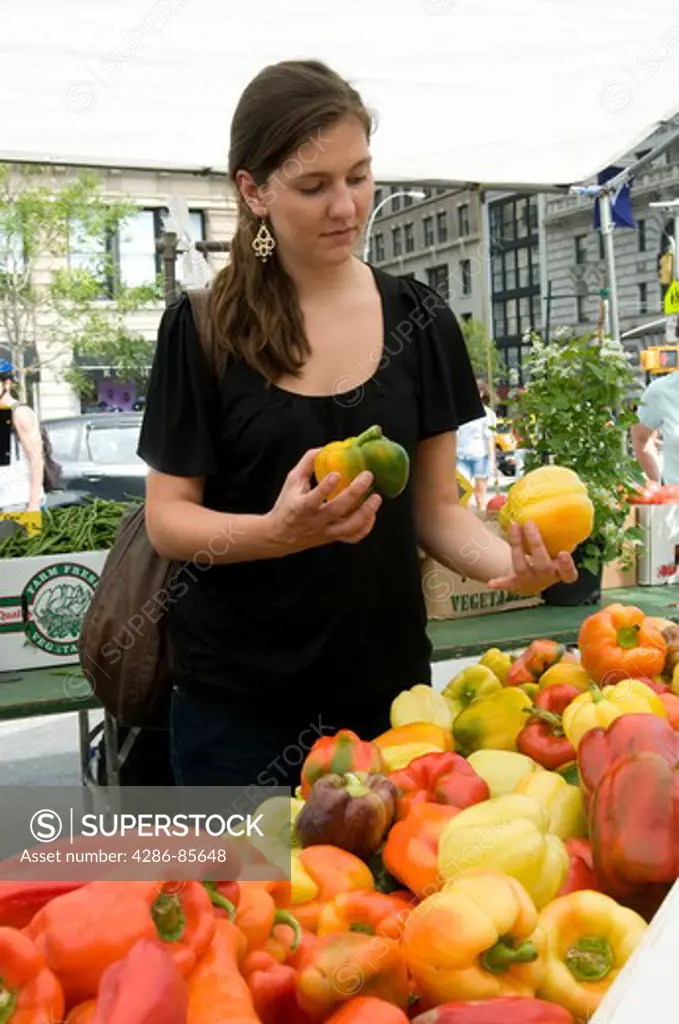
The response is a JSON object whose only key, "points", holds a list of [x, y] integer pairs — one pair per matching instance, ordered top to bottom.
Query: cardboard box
{"points": [[658, 560], [448, 596], [42, 605]]}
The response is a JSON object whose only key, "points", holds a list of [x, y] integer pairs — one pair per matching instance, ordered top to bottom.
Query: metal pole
{"points": [[605, 207], [169, 249], [544, 267], [487, 273], [548, 314]]}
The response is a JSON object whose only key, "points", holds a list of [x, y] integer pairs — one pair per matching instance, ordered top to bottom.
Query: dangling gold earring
{"points": [[263, 243]]}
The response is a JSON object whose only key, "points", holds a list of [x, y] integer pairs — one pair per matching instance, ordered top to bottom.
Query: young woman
{"points": [[476, 448], [304, 615]]}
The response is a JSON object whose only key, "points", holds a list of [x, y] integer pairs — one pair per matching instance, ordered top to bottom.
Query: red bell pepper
{"points": [[536, 659], [671, 705], [629, 734], [542, 737], [440, 778], [634, 825], [580, 867], [21, 901], [144, 988], [273, 989], [509, 1010]]}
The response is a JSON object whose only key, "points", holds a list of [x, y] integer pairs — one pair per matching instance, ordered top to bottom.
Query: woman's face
{"points": [[319, 200]]}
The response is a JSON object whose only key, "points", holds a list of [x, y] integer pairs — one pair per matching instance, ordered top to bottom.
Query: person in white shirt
{"points": [[476, 448], [22, 459]]}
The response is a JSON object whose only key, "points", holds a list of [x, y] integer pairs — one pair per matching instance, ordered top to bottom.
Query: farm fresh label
{"points": [[56, 599]]}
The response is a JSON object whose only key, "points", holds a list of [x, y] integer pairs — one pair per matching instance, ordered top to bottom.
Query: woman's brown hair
{"points": [[255, 307]]}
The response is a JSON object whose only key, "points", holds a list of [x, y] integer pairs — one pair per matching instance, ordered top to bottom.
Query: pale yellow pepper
{"points": [[566, 673], [420, 703], [600, 707], [501, 770], [564, 803], [509, 834]]}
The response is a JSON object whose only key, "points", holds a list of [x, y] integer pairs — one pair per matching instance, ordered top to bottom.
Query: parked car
{"points": [[98, 454]]}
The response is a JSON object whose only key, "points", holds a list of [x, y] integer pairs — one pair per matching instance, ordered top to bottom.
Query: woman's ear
{"points": [[251, 194]]}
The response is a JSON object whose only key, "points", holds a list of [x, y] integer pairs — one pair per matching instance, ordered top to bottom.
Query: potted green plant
{"points": [[576, 411]]}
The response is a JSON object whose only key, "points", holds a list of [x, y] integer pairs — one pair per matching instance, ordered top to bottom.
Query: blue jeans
{"points": [[474, 468], [212, 745]]}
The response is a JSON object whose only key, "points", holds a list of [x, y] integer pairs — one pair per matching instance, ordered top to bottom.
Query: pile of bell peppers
{"points": [[496, 855]]}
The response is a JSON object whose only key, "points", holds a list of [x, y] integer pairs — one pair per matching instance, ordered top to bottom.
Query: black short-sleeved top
{"points": [[341, 625]]}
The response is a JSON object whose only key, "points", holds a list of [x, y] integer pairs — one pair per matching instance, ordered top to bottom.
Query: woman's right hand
{"points": [[304, 518]]}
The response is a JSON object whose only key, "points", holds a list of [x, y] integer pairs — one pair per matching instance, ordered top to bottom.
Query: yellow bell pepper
{"points": [[498, 662], [566, 673], [472, 683], [674, 685], [420, 703], [600, 707], [493, 722], [402, 745], [502, 769], [564, 804], [510, 834], [589, 939], [477, 940]]}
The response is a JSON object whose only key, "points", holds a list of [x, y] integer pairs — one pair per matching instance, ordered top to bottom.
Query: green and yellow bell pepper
{"points": [[388, 462], [498, 662], [471, 684], [421, 703], [600, 707], [492, 722], [502, 769]]}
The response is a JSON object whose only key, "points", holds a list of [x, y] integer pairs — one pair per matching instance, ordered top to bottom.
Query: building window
{"points": [[408, 200], [396, 201], [376, 202], [533, 214], [463, 219], [428, 224], [442, 226], [642, 235], [410, 237], [397, 241], [379, 248], [602, 248], [580, 249], [92, 255], [139, 261], [523, 267], [510, 270], [466, 274], [498, 274], [437, 278], [643, 298], [580, 310], [499, 320]]}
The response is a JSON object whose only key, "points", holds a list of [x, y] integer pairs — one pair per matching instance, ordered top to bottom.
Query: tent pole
{"points": [[609, 250]]}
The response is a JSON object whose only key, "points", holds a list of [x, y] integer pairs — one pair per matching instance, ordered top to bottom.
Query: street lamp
{"points": [[415, 193]]}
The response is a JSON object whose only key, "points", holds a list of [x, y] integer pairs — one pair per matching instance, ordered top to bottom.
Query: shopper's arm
{"points": [[28, 432], [646, 450], [453, 534]]}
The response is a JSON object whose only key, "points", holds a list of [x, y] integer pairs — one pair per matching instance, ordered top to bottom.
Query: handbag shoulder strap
{"points": [[200, 305]]}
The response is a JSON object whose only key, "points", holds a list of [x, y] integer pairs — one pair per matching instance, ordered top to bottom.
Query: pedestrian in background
{"points": [[476, 448]]}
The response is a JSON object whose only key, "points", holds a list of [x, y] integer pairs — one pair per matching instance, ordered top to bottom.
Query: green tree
{"points": [[52, 308], [478, 345]]}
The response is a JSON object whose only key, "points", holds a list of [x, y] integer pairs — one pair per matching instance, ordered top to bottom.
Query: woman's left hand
{"points": [[533, 570]]}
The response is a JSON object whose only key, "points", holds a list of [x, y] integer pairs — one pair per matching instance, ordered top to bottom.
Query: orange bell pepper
{"points": [[619, 643], [399, 746], [410, 853], [332, 871], [373, 913], [257, 915], [84, 932], [343, 966], [273, 989], [217, 990], [29, 991], [368, 1010], [83, 1013]]}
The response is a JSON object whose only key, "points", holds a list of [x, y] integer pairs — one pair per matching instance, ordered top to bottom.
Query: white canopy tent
{"points": [[532, 93]]}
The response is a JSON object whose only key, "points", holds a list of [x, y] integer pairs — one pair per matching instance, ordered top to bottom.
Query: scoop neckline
{"points": [[336, 396]]}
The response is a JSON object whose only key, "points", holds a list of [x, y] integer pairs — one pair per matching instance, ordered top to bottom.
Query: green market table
{"points": [[63, 690]]}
